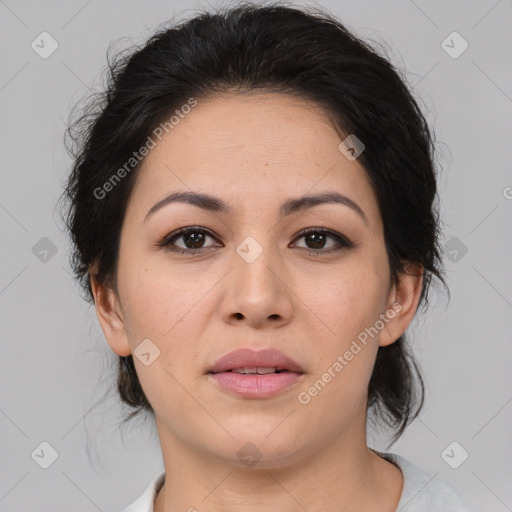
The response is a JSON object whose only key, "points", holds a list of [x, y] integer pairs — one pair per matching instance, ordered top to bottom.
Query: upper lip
{"points": [[247, 357]]}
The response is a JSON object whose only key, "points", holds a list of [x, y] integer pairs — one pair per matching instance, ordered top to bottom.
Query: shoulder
{"points": [[424, 493], [144, 503]]}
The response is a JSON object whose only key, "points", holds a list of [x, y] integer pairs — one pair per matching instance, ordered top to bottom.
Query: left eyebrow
{"points": [[308, 201], [215, 204]]}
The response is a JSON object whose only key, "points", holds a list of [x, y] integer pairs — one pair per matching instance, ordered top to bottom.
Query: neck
{"points": [[340, 475]]}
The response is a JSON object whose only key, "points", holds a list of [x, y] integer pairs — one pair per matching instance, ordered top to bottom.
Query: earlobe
{"points": [[404, 300], [110, 316]]}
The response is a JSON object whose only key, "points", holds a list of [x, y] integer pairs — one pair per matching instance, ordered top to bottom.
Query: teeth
{"points": [[254, 369], [262, 371]]}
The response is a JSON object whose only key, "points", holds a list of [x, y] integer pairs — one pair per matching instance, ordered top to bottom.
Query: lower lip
{"points": [[255, 385]]}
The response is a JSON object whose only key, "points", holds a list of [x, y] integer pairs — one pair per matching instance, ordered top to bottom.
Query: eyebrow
{"points": [[214, 204]]}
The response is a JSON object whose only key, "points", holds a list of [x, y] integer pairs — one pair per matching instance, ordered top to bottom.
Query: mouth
{"points": [[261, 362], [256, 371], [255, 374]]}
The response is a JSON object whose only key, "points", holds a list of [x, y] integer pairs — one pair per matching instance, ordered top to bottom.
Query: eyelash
{"points": [[343, 242]]}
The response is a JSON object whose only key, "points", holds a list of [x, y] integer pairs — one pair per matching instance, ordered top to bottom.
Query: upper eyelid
{"points": [[330, 233]]}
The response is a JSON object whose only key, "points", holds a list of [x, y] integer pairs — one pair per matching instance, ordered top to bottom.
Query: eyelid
{"points": [[325, 231], [342, 240], [165, 241]]}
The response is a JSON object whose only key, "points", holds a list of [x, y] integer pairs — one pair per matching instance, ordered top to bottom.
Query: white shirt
{"points": [[420, 493]]}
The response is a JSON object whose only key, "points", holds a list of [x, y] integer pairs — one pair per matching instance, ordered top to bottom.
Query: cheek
{"points": [[154, 299], [344, 303], [346, 308], [167, 309], [165, 312]]}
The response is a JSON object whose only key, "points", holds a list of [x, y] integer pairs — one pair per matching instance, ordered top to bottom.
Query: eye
{"points": [[194, 237], [317, 237], [193, 240]]}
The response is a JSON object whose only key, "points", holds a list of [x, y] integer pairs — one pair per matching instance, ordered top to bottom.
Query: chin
{"points": [[255, 449]]}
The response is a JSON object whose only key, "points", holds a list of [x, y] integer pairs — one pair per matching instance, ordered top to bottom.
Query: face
{"points": [[248, 276]]}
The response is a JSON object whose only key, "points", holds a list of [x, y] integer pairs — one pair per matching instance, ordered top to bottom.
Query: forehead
{"points": [[286, 128], [266, 146]]}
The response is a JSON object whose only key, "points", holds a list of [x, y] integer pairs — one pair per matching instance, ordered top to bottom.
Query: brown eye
{"points": [[316, 239], [193, 240]]}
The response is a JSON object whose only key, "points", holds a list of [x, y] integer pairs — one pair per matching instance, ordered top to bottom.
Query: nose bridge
{"points": [[255, 263], [257, 289]]}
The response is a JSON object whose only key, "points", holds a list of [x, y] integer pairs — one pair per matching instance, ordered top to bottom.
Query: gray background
{"points": [[55, 364]]}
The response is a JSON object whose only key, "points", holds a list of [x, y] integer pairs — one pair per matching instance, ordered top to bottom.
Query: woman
{"points": [[252, 207]]}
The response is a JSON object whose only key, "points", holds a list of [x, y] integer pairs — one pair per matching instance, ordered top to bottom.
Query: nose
{"points": [[258, 292]]}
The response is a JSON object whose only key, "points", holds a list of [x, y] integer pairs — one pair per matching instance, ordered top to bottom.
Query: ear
{"points": [[403, 301], [110, 317]]}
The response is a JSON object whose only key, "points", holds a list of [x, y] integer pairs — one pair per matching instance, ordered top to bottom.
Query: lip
{"points": [[247, 357], [255, 385]]}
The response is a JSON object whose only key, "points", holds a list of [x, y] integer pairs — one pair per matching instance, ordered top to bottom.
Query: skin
{"points": [[254, 152]]}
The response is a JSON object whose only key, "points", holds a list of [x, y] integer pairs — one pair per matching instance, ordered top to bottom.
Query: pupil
{"points": [[195, 238], [320, 239]]}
